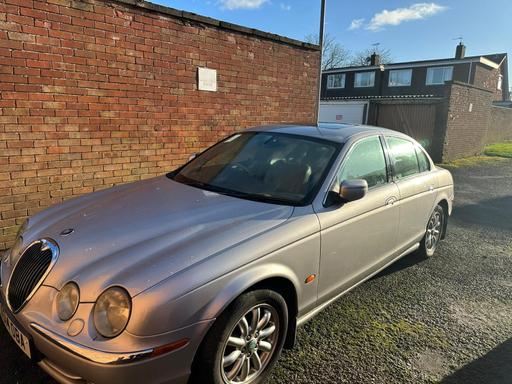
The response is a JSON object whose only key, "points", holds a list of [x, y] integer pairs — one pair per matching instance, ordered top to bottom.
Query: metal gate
{"points": [[414, 119]]}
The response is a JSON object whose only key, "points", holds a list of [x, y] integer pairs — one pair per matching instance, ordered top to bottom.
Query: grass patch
{"points": [[499, 149], [492, 153], [472, 161]]}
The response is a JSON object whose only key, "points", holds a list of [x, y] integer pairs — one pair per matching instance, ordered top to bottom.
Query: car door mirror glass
{"points": [[192, 156]]}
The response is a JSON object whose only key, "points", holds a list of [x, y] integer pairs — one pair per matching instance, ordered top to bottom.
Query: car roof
{"points": [[328, 131]]}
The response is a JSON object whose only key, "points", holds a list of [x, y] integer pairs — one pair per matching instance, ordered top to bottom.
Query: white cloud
{"points": [[242, 4], [285, 7], [399, 15], [356, 24]]}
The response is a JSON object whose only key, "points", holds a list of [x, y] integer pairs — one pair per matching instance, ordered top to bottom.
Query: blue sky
{"points": [[412, 30]]}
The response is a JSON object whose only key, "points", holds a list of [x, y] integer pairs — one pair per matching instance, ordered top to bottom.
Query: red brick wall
{"points": [[486, 77], [98, 93], [468, 114], [500, 125]]}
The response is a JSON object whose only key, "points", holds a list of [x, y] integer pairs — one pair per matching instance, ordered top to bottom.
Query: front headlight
{"points": [[14, 253], [67, 301], [112, 312]]}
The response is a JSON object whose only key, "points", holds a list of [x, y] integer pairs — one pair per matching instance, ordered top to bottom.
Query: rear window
{"points": [[403, 155], [423, 162]]}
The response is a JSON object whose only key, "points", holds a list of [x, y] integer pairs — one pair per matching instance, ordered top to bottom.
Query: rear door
{"points": [[412, 176]]}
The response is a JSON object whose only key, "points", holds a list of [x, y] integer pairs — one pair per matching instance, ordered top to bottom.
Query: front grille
{"points": [[31, 268]]}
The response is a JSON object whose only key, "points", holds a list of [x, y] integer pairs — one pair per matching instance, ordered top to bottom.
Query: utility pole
{"points": [[321, 44]]}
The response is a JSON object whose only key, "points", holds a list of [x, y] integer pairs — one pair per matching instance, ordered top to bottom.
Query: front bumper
{"points": [[71, 362], [67, 367]]}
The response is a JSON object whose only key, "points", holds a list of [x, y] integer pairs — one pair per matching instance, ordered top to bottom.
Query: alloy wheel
{"points": [[434, 228], [250, 345]]}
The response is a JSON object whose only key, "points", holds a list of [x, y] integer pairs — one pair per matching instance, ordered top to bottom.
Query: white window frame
{"points": [[408, 71], [359, 74], [332, 76], [430, 76], [499, 86]]}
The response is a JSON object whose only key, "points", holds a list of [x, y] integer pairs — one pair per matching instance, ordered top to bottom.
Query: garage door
{"points": [[343, 112], [415, 120]]}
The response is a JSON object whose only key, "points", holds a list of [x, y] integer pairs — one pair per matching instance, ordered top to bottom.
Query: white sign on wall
{"points": [[207, 79]]}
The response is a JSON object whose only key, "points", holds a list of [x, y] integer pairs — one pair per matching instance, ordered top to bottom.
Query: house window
{"points": [[438, 75], [400, 78], [364, 79], [336, 81], [500, 82]]}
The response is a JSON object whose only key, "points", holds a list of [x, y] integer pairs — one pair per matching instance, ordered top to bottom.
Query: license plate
{"points": [[19, 338]]}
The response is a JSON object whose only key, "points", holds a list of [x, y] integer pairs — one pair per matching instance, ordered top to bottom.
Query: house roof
{"points": [[496, 57], [493, 60]]}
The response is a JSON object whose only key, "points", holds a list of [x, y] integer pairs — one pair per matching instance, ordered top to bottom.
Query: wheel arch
{"points": [[276, 277], [278, 282], [285, 288]]}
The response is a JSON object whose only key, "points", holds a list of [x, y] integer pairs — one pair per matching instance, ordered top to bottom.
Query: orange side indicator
{"points": [[310, 279], [169, 347]]}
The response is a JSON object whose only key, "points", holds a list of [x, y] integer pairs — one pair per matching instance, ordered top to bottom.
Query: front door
{"points": [[359, 236]]}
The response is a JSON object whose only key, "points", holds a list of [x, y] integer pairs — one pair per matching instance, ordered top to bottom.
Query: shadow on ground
{"points": [[493, 213], [404, 263], [493, 368]]}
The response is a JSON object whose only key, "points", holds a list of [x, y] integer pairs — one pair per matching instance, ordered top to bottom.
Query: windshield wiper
{"points": [[265, 198]]}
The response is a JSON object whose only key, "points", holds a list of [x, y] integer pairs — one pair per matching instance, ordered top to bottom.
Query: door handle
{"points": [[430, 188], [391, 200]]}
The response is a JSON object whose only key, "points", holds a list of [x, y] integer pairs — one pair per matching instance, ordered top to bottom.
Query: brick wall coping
{"points": [[188, 16], [468, 86]]}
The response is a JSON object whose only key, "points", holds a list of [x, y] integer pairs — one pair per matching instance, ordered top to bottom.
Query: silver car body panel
{"points": [[157, 225], [290, 251], [184, 254]]}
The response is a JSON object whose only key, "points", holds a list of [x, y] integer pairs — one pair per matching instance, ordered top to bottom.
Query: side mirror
{"points": [[192, 156], [351, 190]]}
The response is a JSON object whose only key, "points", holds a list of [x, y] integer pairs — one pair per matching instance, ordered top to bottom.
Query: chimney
{"points": [[460, 51], [374, 59]]}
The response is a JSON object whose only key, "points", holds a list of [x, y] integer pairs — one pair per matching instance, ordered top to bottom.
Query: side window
{"points": [[404, 157], [422, 160], [365, 161]]}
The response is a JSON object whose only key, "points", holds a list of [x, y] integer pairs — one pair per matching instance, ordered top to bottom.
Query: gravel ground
{"points": [[447, 319]]}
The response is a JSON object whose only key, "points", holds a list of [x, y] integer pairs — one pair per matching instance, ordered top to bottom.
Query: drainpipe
{"points": [[321, 44]]}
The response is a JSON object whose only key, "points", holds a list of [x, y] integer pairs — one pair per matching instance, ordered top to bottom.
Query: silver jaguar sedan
{"points": [[203, 275]]}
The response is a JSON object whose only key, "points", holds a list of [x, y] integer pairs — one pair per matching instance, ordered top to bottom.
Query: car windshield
{"points": [[263, 166]]}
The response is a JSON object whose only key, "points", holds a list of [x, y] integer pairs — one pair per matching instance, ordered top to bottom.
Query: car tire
{"points": [[434, 232], [235, 348]]}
